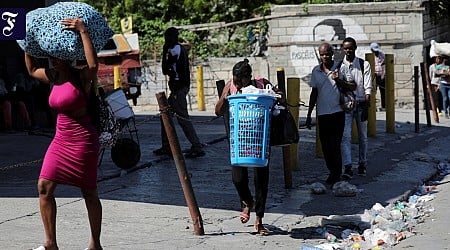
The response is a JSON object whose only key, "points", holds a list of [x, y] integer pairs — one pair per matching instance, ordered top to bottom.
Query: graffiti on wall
{"points": [[314, 30]]}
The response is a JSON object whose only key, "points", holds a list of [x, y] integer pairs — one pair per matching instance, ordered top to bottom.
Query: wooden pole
{"points": [[281, 82], [429, 90], [390, 93], [200, 94], [425, 96], [293, 98], [180, 164]]}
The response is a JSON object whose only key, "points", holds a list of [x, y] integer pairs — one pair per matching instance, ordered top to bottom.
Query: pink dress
{"points": [[73, 154]]}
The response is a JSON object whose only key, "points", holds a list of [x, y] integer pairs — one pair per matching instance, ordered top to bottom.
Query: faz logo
{"points": [[12, 23]]}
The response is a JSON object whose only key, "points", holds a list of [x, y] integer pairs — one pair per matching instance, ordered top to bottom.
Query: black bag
{"points": [[347, 100], [102, 116], [283, 128]]}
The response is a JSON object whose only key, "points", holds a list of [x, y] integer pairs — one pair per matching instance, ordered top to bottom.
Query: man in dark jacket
{"points": [[175, 64]]}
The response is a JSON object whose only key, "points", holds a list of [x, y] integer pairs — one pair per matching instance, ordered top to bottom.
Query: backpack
{"points": [[347, 98]]}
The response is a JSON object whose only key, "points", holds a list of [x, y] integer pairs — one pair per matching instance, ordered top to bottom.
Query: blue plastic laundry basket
{"points": [[249, 129]]}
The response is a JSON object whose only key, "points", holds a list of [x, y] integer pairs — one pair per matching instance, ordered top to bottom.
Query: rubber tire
{"points": [[126, 153]]}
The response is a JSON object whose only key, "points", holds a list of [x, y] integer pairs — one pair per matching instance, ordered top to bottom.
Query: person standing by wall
{"points": [[175, 64], [359, 71], [380, 72], [443, 72], [242, 77], [325, 83], [72, 156]]}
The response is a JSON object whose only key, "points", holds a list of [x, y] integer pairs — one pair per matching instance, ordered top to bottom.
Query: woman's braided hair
{"points": [[242, 69]]}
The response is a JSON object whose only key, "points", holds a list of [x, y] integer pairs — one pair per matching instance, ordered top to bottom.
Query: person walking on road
{"points": [[175, 64], [359, 70], [443, 71], [380, 72], [242, 77], [435, 81], [325, 84], [72, 156]]}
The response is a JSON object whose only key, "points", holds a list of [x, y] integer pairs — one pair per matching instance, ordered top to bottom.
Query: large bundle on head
{"points": [[45, 35], [439, 49]]}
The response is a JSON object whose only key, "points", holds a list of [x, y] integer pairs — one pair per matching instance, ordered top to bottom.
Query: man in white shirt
{"points": [[360, 73]]}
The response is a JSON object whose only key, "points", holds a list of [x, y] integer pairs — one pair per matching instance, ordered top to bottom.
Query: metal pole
{"points": [[117, 80], [390, 93], [200, 95], [425, 97], [293, 99], [416, 99], [372, 118], [286, 149], [180, 164]]}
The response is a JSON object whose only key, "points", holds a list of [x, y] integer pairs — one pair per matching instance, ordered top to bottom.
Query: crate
{"points": [[250, 116]]}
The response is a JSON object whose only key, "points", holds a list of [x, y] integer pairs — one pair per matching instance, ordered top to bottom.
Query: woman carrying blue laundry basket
{"points": [[242, 77]]}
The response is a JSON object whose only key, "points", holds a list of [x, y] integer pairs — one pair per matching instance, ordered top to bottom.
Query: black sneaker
{"points": [[163, 151], [194, 153], [362, 170], [348, 173]]}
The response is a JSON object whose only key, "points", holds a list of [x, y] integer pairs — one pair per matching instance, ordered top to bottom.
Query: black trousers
{"points": [[381, 84], [437, 97], [178, 103], [331, 128], [261, 182]]}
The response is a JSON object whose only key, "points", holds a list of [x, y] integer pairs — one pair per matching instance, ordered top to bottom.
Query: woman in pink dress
{"points": [[72, 156]]}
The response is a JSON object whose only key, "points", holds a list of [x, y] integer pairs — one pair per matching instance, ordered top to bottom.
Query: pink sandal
{"points": [[244, 216]]}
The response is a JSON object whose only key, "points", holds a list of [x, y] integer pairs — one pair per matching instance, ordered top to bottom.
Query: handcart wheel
{"points": [[126, 153]]}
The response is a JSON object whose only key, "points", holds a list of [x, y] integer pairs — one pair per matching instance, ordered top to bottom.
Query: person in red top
{"points": [[242, 77]]}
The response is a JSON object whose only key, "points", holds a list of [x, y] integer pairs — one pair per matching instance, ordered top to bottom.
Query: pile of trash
{"points": [[379, 227]]}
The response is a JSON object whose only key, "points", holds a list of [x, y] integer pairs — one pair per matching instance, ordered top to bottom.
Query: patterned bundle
{"points": [[45, 35]]}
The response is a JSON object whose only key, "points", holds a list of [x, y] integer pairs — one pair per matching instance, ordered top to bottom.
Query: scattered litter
{"points": [[318, 188], [381, 226]]}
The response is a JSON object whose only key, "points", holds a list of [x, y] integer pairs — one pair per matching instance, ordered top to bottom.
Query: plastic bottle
{"points": [[326, 235]]}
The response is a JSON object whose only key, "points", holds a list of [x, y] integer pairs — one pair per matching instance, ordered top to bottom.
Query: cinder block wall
{"points": [[403, 29], [214, 69]]}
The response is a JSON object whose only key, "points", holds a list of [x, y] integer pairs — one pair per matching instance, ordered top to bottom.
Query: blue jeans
{"points": [[445, 90], [347, 137]]}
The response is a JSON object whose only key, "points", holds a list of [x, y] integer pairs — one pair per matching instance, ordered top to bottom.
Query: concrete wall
{"points": [[402, 28], [213, 70]]}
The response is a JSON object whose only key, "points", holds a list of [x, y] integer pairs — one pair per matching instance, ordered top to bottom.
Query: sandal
{"points": [[244, 216], [261, 230]]}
